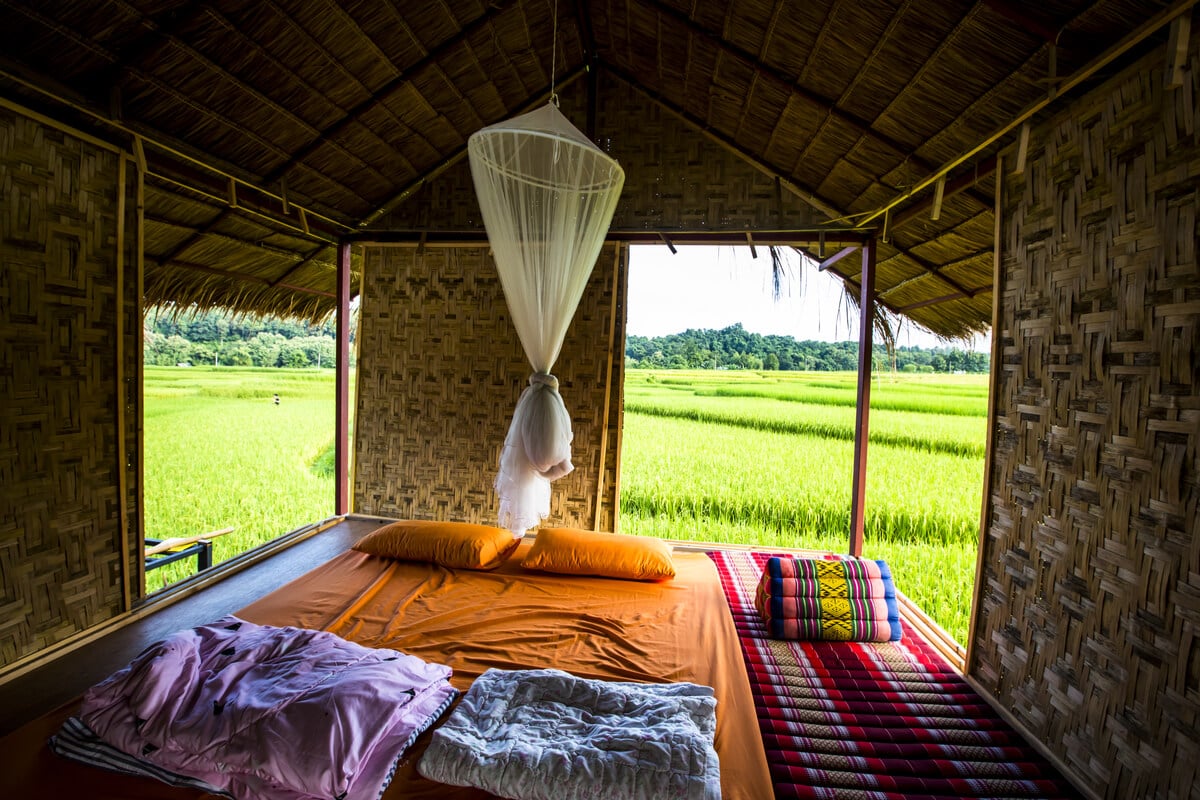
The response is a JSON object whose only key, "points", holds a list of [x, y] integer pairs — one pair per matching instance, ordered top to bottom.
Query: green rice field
{"points": [[219, 453], [740, 457], [766, 459]]}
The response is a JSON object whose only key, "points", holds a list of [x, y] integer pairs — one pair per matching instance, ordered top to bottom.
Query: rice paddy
{"points": [[219, 452], [740, 457], [766, 459]]}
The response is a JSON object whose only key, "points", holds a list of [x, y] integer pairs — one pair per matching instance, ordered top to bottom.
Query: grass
{"points": [[220, 452], [766, 459]]}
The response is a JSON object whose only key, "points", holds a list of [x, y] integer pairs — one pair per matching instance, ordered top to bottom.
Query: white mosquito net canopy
{"points": [[547, 195]]}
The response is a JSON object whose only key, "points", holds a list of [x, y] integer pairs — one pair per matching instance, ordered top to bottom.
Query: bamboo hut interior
{"points": [[1032, 169]]}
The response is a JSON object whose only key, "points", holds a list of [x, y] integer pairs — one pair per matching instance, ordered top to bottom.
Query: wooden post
{"points": [[863, 408], [342, 415], [985, 512], [127, 547]]}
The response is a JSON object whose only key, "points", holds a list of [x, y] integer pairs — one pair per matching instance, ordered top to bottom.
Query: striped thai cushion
{"points": [[845, 599]]}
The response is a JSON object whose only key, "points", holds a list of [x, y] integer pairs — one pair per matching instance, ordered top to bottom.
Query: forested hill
{"points": [[214, 337], [736, 348]]}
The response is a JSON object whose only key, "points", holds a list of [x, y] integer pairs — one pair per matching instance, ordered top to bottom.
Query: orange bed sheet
{"points": [[509, 618]]}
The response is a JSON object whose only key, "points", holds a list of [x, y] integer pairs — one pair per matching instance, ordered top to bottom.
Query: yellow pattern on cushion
{"points": [[458, 545], [611, 555], [832, 579], [837, 630]]}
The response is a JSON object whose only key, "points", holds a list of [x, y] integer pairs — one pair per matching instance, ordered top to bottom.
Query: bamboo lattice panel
{"points": [[675, 178], [440, 369], [60, 537], [1088, 625]]}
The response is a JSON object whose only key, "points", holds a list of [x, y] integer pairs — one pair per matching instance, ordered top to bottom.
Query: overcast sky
{"points": [[714, 287]]}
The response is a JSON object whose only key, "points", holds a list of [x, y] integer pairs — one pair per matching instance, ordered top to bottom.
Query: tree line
{"points": [[214, 337], [736, 348]]}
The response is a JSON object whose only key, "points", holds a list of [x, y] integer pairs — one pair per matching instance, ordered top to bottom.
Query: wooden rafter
{"points": [[1024, 20], [164, 25], [1134, 38], [243, 40], [732, 50], [159, 85], [382, 94], [263, 100], [454, 157], [967, 179], [822, 205], [836, 257], [304, 261], [934, 270], [926, 274], [246, 277], [933, 301]]}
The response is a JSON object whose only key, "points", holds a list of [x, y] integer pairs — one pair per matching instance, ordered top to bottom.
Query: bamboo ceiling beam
{"points": [[583, 20], [1023, 20], [167, 24], [1134, 38], [334, 64], [383, 93], [63, 95], [262, 100], [864, 126], [457, 155], [982, 170], [822, 205], [244, 208], [762, 238], [282, 252], [836, 257], [310, 258], [934, 270], [925, 275], [241, 276], [943, 299]]}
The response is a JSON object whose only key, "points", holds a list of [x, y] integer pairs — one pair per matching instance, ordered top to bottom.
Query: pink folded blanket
{"points": [[261, 712]]}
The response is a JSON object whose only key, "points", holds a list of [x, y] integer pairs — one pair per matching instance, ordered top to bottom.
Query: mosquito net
{"points": [[547, 195]]}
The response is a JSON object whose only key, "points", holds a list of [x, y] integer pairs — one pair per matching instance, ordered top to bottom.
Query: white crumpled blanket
{"points": [[547, 735]]}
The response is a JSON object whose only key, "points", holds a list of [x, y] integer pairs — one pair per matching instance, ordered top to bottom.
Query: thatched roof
{"points": [[272, 128]]}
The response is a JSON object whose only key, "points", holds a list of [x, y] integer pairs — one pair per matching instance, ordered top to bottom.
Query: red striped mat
{"points": [[874, 721]]}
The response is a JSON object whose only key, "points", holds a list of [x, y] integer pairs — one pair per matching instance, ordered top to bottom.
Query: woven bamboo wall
{"points": [[675, 177], [439, 372], [61, 541], [1088, 616]]}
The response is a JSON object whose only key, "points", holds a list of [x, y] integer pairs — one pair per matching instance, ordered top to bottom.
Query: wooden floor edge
{"points": [[157, 602], [1043, 750]]}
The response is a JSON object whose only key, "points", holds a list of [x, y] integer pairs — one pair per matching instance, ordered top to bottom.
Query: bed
{"points": [[508, 618]]}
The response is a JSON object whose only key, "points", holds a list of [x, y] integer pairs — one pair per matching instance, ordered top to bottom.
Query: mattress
{"points": [[509, 618]]}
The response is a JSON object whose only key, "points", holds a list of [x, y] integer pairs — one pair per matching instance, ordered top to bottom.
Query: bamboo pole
{"points": [[1082, 75], [140, 255], [608, 387], [863, 408], [342, 420], [122, 441], [985, 512], [181, 541]]}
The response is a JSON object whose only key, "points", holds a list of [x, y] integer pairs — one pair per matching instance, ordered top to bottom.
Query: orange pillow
{"points": [[460, 545], [610, 555]]}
